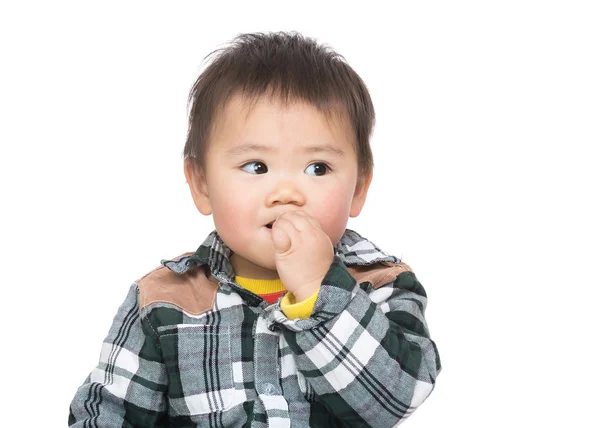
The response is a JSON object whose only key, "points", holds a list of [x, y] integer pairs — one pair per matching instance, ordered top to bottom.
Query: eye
{"points": [[255, 167], [318, 168]]}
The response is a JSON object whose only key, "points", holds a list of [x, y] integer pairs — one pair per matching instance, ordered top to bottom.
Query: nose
{"points": [[285, 192]]}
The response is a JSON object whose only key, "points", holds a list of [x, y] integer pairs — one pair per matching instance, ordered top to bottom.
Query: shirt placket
{"points": [[266, 375]]}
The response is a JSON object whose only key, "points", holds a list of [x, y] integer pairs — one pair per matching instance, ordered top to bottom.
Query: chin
{"points": [[267, 261], [270, 264]]}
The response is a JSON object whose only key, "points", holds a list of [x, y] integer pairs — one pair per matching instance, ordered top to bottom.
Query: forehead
{"points": [[271, 122]]}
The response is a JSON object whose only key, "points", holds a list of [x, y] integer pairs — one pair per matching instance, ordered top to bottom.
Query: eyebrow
{"points": [[252, 147]]}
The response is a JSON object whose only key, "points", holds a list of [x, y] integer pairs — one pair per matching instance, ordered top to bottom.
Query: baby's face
{"points": [[272, 159]]}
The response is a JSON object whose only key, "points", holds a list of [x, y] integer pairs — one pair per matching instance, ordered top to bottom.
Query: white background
{"points": [[486, 183]]}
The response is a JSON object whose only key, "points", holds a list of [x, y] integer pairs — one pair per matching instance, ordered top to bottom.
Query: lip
{"points": [[276, 217]]}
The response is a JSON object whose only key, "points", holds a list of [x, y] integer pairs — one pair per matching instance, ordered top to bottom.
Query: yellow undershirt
{"points": [[289, 306]]}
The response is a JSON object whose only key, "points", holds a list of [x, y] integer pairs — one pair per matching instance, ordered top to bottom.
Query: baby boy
{"points": [[282, 317]]}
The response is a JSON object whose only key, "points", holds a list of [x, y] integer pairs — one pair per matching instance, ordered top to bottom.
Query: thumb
{"points": [[281, 240]]}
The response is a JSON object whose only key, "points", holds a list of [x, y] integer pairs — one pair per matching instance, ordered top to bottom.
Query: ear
{"points": [[198, 187], [360, 194]]}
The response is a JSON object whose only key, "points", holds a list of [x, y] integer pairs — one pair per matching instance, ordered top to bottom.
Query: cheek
{"points": [[232, 208], [332, 213]]}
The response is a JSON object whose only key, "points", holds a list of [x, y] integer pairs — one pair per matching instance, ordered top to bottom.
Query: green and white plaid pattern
{"points": [[363, 359]]}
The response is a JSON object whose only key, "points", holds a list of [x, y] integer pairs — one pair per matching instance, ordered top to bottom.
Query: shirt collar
{"points": [[352, 249]]}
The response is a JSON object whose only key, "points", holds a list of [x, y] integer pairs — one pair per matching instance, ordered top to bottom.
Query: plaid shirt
{"points": [[191, 348]]}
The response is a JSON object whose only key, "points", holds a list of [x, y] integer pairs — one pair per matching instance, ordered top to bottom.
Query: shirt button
{"points": [[269, 389]]}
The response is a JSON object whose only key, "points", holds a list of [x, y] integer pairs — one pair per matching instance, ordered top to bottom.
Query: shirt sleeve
{"points": [[293, 309], [366, 353], [128, 386]]}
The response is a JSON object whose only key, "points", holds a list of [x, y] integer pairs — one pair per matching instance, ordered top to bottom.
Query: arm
{"points": [[366, 354], [128, 387]]}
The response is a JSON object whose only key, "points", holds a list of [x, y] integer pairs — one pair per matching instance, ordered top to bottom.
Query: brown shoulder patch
{"points": [[378, 274], [192, 291]]}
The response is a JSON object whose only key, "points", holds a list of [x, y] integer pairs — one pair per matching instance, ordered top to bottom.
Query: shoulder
{"points": [[378, 274], [193, 291]]}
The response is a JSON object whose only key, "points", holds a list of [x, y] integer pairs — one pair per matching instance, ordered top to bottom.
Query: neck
{"points": [[247, 269]]}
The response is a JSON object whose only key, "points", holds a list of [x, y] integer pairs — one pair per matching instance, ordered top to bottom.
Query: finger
{"points": [[286, 219], [300, 220], [308, 220], [316, 223], [284, 224], [281, 240]]}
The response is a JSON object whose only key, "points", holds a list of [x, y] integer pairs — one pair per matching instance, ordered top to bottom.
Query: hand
{"points": [[303, 253]]}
